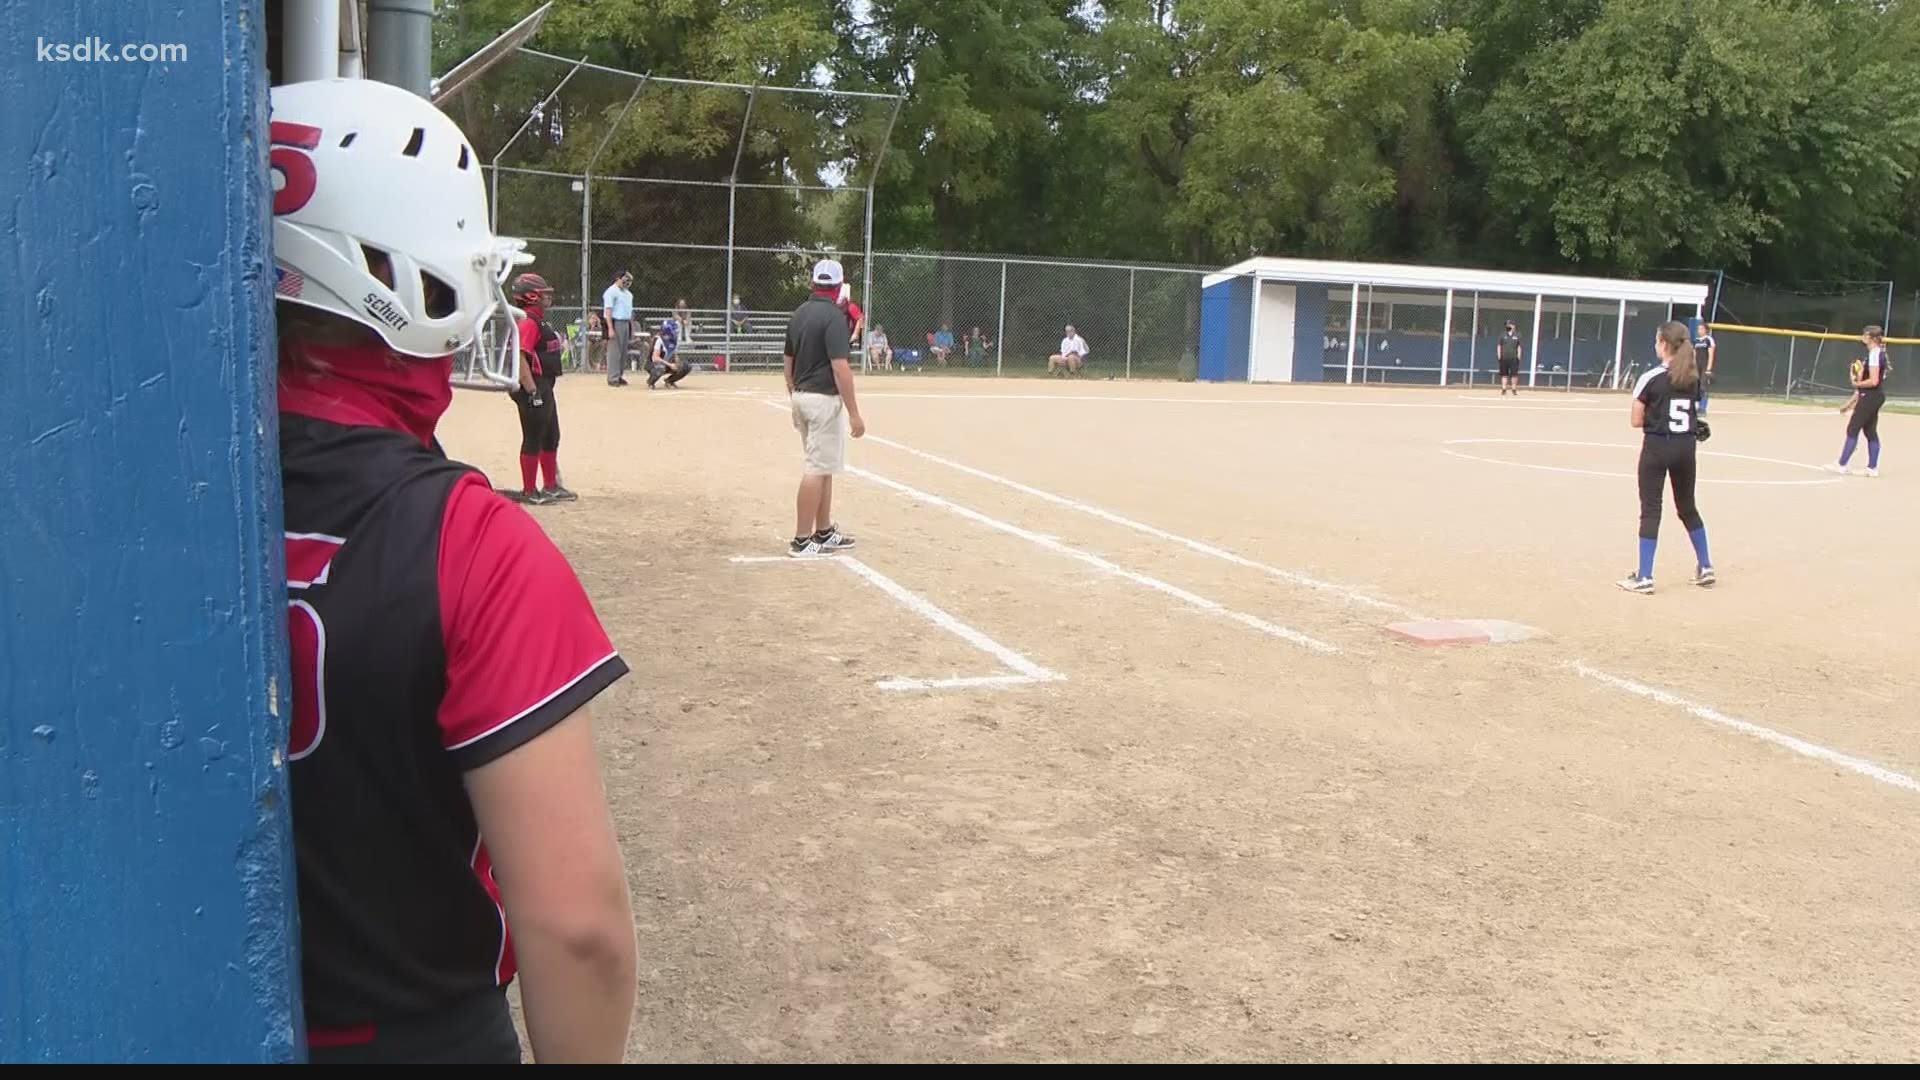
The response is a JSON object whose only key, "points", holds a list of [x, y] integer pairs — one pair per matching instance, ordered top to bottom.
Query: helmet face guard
{"points": [[492, 360]]}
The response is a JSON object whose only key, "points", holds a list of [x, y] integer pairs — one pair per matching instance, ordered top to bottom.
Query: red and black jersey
{"points": [[540, 340], [434, 628]]}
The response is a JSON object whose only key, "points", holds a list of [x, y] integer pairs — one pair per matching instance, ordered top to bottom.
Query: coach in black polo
{"points": [[820, 381]]}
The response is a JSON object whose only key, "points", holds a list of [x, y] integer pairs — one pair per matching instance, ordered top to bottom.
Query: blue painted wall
{"points": [[1226, 321], [1309, 331], [145, 862]]}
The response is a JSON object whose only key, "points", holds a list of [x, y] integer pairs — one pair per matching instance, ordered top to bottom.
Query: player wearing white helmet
{"points": [[449, 823]]}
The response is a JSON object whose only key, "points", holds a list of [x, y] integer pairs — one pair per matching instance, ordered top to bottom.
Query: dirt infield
{"points": [[1246, 823]]}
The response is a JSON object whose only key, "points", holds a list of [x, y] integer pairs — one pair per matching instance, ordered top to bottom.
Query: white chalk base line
{"points": [[1292, 577], [1185, 596], [1191, 599], [1025, 671], [1765, 734], [1796, 745]]}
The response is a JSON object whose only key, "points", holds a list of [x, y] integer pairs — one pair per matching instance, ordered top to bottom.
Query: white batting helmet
{"points": [[363, 170]]}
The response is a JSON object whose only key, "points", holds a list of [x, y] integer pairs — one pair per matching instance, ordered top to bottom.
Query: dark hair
{"points": [[1877, 333], [1681, 368]]}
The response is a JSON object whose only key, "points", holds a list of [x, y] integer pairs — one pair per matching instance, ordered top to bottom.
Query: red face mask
{"points": [[369, 387]]}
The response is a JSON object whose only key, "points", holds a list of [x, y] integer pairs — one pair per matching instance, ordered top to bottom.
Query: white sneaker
{"points": [[1837, 469], [1875, 473], [834, 541], [806, 549], [1634, 583]]}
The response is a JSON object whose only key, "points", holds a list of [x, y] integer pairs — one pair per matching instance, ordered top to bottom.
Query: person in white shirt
{"points": [[616, 311], [1072, 354]]}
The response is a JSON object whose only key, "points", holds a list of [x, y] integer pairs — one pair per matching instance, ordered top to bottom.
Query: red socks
{"points": [[527, 464], [549, 468]]}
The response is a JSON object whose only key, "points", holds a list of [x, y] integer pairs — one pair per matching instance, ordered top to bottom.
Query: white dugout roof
{"points": [[1441, 278]]}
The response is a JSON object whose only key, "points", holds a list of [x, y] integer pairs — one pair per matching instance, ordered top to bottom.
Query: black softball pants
{"points": [[1866, 415], [539, 424], [1663, 458]]}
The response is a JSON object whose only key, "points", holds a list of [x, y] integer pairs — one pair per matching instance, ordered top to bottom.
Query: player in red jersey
{"points": [[539, 345], [450, 825]]}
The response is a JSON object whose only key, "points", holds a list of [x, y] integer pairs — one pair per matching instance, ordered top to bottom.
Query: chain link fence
{"points": [[717, 198], [980, 315], [1786, 366]]}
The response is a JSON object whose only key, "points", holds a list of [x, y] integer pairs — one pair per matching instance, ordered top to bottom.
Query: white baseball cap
{"points": [[827, 272]]}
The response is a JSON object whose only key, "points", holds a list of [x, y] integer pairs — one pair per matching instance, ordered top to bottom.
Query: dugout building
{"points": [[1304, 320]]}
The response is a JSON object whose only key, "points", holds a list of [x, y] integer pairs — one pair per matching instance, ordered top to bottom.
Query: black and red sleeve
{"points": [[524, 647]]}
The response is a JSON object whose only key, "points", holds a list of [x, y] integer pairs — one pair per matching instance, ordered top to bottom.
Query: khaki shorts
{"points": [[821, 420]]}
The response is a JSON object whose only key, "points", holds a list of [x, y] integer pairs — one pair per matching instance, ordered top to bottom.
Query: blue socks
{"points": [[1846, 452], [1873, 453], [1699, 538]]}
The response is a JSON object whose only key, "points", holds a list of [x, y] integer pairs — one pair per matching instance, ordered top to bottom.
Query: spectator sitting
{"points": [[737, 314], [685, 318], [596, 341], [940, 343], [976, 344], [879, 350], [1072, 354]]}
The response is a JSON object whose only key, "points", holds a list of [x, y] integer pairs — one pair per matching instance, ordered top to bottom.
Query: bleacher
{"points": [[757, 344]]}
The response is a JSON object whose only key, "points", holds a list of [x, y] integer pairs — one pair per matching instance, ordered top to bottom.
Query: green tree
{"points": [[1276, 125], [661, 131], [1719, 131]]}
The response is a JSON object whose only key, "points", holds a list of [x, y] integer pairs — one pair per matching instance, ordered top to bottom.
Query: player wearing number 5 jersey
{"points": [[1665, 408], [450, 829]]}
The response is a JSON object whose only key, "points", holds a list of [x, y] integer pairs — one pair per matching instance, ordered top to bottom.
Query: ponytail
{"points": [[1682, 370]]}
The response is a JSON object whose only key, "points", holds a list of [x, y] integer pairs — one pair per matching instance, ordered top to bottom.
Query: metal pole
{"points": [[310, 40], [400, 44], [733, 182], [586, 203], [586, 253], [866, 269], [1130, 274], [866, 285], [1253, 329], [1353, 330], [1000, 333], [1446, 339], [1473, 341], [1573, 341], [726, 345], [1620, 345], [1533, 353], [1789, 369]]}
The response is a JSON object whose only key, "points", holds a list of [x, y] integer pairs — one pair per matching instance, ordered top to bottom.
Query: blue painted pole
{"points": [[146, 873]]}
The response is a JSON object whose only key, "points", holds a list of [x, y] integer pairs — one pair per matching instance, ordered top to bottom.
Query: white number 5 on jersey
{"points": [[1678, 413]]}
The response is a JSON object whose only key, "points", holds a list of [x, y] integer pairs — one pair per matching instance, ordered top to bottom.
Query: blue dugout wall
{"points": [[1226, 325], [146, 878]]}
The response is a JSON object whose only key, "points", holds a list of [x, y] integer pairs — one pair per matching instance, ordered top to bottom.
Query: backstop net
{"points": [[716, 197], [1798, 341]]}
